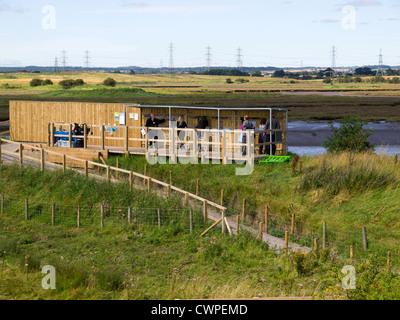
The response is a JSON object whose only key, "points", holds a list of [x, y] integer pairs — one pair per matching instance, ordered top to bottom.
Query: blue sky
{"points": [[131, 32]]}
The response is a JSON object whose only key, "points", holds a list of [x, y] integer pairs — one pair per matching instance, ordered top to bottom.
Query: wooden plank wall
{"points": [[29, 119]]}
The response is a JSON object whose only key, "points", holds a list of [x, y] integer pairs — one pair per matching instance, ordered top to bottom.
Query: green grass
{"points": [[98, 93], [346, 191], [143, 262]]}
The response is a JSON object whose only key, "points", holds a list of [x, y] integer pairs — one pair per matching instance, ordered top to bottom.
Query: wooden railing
{"points": [[4, 132], [223, 142], [145, 180]]}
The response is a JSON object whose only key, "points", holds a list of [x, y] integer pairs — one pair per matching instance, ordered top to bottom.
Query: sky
{"points": [[280, 33]]}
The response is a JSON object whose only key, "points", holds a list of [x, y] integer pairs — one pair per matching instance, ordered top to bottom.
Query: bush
{"points": [[241, 80], [327, 80], [395, 80], [229, 81], [47, 82], [79, 82], [110, 82], [36, 83], [67, 84], [349, 137]]}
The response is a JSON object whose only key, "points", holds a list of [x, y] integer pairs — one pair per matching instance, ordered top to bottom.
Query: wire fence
{"points": [[99, 216], [354, 245]]}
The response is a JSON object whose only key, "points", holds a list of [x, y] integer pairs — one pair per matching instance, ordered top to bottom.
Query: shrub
{"points": [[241, 80], [327, 80], [229, 81], [47, 82], [79, 82], [110, 82], [36, 83], [67, 84], [349, 137]]}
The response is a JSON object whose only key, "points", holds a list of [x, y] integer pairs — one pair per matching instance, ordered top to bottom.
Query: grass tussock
{"points": [[350, 173]]}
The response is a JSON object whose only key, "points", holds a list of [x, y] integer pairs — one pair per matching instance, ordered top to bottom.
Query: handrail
{"points": [[4, 122], [110, 168]]}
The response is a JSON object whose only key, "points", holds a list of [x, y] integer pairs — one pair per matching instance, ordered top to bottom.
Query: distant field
{"points": [[310, 102]]}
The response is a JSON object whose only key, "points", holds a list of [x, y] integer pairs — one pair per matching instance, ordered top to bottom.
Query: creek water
{"points": [[306, 137]]}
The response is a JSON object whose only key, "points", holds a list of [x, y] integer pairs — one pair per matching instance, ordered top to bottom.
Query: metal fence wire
{"points": [[99, 216]]}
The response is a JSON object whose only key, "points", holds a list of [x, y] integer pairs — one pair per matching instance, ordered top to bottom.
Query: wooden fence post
{"points": [[20, 155], [42, 160], [64, 163], [86, 169], [145, 169], [108, 174], [170, 177], [130, 180], [148, 185], [197, 187], [169, 191], [222, 197], [186, 199], [26, 210], [244, 210], [205, 211], [53, 214], [130, 215], [79, 216], [102, 216], [159, 218], [191, 220], [266, 220], [223, 221], [292, 224], [237, 225], [261, 233], [324, 236], [365, 240], [286, 242], [316, 244], [351, 254], [388, 260]]}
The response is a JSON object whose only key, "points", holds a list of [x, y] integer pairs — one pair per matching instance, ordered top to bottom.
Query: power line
{"points": [[333, 53], [208, 57], [239, 57], [171, 58], [87, 59], [64, 60], [56, 64], [379, 72]]}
